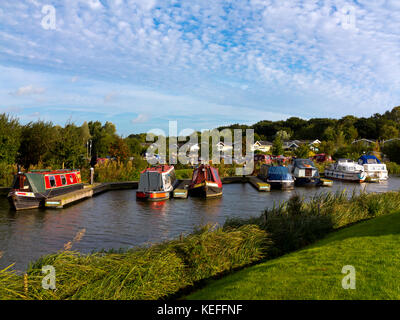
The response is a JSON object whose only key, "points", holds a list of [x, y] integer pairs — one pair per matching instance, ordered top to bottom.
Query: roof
{"points": [[365, 159], [160, 169]]}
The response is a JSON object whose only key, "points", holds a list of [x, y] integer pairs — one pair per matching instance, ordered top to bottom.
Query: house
{"points": [[294, 144], [221, 146], [263, 146]]}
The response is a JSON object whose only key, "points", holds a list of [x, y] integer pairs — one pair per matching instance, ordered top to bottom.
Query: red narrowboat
{"points": [[205, 182], [156, 183], [31, 189]]}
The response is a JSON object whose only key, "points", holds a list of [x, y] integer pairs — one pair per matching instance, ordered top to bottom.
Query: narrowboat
{"points": [[347, 170], [375, 170], [304, 172], [278, 177], [205, 182], [156, 183], [31, 189]]}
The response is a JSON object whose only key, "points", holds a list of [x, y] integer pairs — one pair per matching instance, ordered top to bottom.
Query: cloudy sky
{"points": [[140, 63]]}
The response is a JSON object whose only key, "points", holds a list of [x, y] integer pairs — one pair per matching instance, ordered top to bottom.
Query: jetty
{"points": [[259, 184], [181, 190], [88, 191]]}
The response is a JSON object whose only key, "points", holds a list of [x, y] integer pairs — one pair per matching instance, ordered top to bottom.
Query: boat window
{"points": [[216, 175], [71, 178], [63, 180], [52, 181]]}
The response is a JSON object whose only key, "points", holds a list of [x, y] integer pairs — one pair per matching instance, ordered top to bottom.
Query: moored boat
{"points": [[347, 170], [375, 170], [305, 173], [278, 177], [205, 182], [156, 183], [31, 189]]}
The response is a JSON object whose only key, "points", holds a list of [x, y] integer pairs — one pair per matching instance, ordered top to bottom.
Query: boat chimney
{"points": [[19, 168]]}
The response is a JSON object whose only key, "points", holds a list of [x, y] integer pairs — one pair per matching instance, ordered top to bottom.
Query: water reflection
{"points": [[115, 219]]}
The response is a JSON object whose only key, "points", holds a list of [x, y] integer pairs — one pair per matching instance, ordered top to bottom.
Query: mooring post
{"points": [[91, 175]]}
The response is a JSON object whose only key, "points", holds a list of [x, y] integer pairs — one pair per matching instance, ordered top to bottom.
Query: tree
{"points": [[388, 132], [283, 135], [10, 139], [37, 143], [277, 147], [70, 149], [119, 150], [392, 150], [302, 151]]}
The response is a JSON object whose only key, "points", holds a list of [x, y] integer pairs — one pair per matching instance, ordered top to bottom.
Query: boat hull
{"points": [[358, 177], [306, 182], [281, 184], [205, 190], [153, 196], [28, 200]]}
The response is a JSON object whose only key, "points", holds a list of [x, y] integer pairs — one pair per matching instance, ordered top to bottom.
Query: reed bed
{"points": [[296, 223], [142, 273]]}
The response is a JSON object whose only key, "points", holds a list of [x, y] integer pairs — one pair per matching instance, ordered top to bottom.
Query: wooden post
{"points": [[91, 175]]}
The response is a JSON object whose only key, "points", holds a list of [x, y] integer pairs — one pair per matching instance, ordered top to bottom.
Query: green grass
{"points": [[372, 247], [140, 273]]}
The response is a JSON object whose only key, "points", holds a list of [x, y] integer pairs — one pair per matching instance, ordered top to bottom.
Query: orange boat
{"points": [[156, 183]]}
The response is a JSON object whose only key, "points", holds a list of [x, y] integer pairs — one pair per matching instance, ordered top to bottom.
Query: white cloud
{"points": [[28, 90], [141, 118]]}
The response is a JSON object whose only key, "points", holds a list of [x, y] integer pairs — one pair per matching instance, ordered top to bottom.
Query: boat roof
{"points": [[365, 158], [159, 169], [278, 170], [58, 171]]}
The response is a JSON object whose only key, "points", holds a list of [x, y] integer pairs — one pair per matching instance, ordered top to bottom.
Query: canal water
{"points": [[116, 220]]}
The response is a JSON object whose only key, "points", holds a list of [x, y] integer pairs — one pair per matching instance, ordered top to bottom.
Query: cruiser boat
{"points": [[374, 169], [347, 170], [304, 172], [278, 177], [205, 182], [156, 183], [31, 189]]}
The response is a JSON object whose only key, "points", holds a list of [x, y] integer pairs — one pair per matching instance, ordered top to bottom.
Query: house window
{"points": [[63, 180], [52, 181]]}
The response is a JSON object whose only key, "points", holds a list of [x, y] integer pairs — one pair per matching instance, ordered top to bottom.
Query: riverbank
{"points": [[163, 270], [315, 272]]}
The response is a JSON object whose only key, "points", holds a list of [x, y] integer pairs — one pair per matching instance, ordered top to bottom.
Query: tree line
{"points": [[72, 146]]}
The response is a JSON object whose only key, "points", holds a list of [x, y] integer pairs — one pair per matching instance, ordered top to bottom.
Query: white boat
{"points": [[374, 169], [347, 170]]}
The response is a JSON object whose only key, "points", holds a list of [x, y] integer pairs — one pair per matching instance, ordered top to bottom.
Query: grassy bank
{"points": [[164, 269], [316, 272], [143, 273]]}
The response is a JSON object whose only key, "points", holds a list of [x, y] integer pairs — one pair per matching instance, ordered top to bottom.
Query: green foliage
{"points": [[10, 138], [38, 142], [277, 147], [69, 149], [392, 150], [302, 151], [296, 223], [141, 273], [314, 273]]}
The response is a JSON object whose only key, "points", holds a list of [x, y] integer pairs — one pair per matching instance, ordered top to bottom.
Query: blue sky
{"points": [[140, 63]]}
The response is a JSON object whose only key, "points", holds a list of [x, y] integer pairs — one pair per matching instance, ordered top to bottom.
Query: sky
{"points": [[141, 63]]}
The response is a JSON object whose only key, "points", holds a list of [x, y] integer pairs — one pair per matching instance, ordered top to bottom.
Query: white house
{"points": [[263, 146]]}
